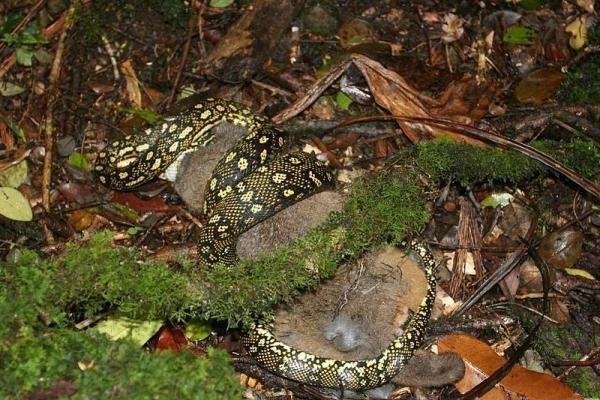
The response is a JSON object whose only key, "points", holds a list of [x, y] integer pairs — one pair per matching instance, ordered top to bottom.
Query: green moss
{"points": [[581, 82], [443, 159], [383, 209], [238, 295], [556, 342], [35, 354], [115, 369]]}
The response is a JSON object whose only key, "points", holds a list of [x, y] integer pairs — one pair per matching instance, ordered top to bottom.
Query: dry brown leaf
{"points": [[133, 85], [394, 94], [481, 361]]}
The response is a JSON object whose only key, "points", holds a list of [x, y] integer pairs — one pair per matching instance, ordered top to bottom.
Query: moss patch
{"points": [[581, 82], [444, 159], [557, 342], [34, 356]]}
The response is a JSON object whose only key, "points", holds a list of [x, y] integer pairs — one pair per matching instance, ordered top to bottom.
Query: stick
{"points": [[48, 125]]}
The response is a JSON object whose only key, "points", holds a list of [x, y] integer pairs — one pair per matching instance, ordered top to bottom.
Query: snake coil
{"points": [[250, 183]]}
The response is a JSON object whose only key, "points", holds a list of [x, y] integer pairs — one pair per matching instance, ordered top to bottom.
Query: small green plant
{"points": [[24, 42]]}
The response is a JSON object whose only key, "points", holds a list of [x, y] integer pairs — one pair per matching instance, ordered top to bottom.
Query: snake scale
{"points": [[253, 181]]}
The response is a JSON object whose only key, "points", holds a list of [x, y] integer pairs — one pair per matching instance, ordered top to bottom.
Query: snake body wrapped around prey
{"points": [[253, 181]]}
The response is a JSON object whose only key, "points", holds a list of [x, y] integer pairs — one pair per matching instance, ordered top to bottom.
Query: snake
{"points": [[254, 180]]}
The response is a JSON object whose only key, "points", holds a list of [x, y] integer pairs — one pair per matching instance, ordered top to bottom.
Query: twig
{"points": [[201, 7], [184, 56], [48, 125]]}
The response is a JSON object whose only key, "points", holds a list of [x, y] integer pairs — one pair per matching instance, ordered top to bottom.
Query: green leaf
{"points": [[220, 3], [519, 35], [24, 56], [43, 56], [10, 89], [342, 100], [147, 115], [17, 130], [78, 160], [14, 176], [497, 199], [14, 205], [135, 230], [579, 272], [124, 328], [198, 329]]}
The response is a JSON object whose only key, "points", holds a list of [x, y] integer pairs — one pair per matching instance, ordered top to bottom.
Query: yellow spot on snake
{"points": [[220, 108], [206, 114], [173, 128], [183, 134], [263, 139], [143, 147], [174, 147], [124, 151], [149, 155], [263, 155], [230, 156], [294, 160], [126, 162], [156, 164], [242, 164], [123, 175], [279, 177], [314, 178], [213, 183], [225, 191], [288, 192], [246, 197], [256, 208], [214, 219], [222, 228]]}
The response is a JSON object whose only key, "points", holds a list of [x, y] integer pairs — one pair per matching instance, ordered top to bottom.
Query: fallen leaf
{"points": [[220, 3], [587, 5], [578, 30], [519, 35], [132, 83], [538, 86], [9, 89], [78, 160], [15, 176], [82, 194], [497, 200], [155, 204], [14, 205], [81, 219], [561, 249], [579, 272], [125, 328], [198, 329], [170, 338], [520, 383]]}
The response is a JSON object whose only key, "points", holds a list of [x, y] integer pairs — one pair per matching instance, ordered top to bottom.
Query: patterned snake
{"points": [[250, 183]]}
